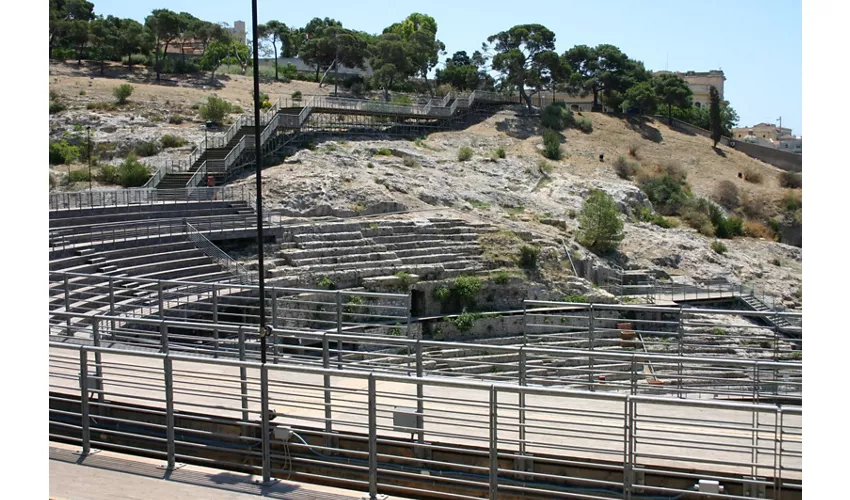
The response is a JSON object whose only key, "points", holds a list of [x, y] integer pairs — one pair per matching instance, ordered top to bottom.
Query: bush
{"points": [[135, 59], [122, 92], [53, 95], [296, 95], [401, 99], [57, 107], [215, 110], [556, 116], [175, 119], [584, 124], [172, 141], [551, 144], [146, 148], [633, 150], [61, 152], [383, 152], [464, 153], [499, 153], [409, 161], [545, 167], [626, 169], [675, 170], [131, 173], [108, 174], [81, 175], [752, 175], [52, 179], [791, 180], [666, 194], [726, 194], [792, 200], [752, 206], [600, 227], [728, 227], [755, 229], [719, 247], [528, 256], [501, 277], [326, 283], [465, 288], [442, 293], [575, 298], [465, 321]]}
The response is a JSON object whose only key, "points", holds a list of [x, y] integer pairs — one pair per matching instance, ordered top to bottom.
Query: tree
{"points": [[63, 16], [187, 21], [165, 26], [207, 32], [274, 32], [419, 32], [77, 35], [103, 38], [132, 38], [317, 48], [224, 52], [523, 57], [391, 62], [603, 69], [464, 73], [672, 90], [642, 97], [714, 120], [600, 227]]}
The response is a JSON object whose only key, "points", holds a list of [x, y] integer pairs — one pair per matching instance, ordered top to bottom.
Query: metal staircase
{"points": [[223, 154]]}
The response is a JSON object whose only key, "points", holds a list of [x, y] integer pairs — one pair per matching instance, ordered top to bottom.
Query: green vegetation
{"points": [[122, 92], [296, 95], [57, 107], [215, 110], [556, 116], [714, 118], [175, 119], [584, 124], [172, 141], [551, 144], [146, 148], [61, 152], [383, 152], [464, 153], [499, 153], [545, 167], [626, 169], [131, 173], [108, 174], [81, 175], [791, 180], [479, 204], [646, 215], [600, 227], [719, 247], [528, 256], [501, 277], [404, 278], [326, 283], [465, 288], [442, 293], [576, 298], [352, 303], [465, 321], [718, 331]]}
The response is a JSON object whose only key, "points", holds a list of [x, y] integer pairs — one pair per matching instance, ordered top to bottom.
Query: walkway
{"points": [[114, 476]]}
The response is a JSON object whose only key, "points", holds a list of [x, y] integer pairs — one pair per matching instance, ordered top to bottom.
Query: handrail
{"points": [[196, 179], [212, 251]]}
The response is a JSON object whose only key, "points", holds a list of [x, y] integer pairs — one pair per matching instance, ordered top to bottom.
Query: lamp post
{"points": [[336, 63], [88, 140], [258, 155]]}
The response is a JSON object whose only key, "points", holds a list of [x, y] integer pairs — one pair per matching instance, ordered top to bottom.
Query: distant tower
{"points": [[239, 32]]}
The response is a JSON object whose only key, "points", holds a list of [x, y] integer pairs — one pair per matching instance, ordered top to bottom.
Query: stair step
{"points": [[84, 251], [96, 260], [107, 269]]}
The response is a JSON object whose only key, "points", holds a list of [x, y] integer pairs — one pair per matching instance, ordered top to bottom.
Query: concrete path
{"points": [[113, 476]]}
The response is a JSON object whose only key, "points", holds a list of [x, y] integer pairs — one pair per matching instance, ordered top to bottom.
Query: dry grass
{"points": [[753, 175], [790, 180], [726, 195], [754, 206], [755, 229]]}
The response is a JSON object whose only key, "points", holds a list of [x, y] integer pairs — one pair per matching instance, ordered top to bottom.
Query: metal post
{"points": [[258, 155], [160, 300], [112, 303], [67, 306], [409, 312], [338, 313], [215, 320], [524, 323], [590, 333], [680, 333], [163, 337], [339, 354], [98, 365], [243, 376], [326, 380], [522, 382], [420, 395], [84, 400], [264, 408], [169, 410], [778, 429], [373, 440], [494, 446], [628, 451]]}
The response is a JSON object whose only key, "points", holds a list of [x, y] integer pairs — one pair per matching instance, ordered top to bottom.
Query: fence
{"points": [[143, 196], [205, 245], [417, 435]]}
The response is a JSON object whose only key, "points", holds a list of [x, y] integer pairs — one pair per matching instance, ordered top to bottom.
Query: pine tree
{"points": [[714, 120]]}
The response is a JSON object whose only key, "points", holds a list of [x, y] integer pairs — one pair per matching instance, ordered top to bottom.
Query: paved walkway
{"points": [[113, 476]]}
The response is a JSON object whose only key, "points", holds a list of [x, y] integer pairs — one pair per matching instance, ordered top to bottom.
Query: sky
{"points": [[758, 45]]}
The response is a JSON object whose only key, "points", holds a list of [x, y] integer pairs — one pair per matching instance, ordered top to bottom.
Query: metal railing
{"points": [[196, 180], [143, 196], [208, 247], [383, 432]]}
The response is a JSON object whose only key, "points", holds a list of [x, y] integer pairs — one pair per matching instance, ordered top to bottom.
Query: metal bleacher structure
{"points": [[154, 350]]}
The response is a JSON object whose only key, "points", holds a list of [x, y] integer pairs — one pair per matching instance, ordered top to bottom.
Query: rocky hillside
{"points": [[521, 192]]}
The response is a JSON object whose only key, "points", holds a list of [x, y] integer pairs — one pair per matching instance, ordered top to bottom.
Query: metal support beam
{"points": [[169, 411], [373, 440], [494, 444]]}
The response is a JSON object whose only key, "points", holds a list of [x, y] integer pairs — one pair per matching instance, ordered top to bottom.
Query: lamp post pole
{"points": [[88, 140], [258, 155]]}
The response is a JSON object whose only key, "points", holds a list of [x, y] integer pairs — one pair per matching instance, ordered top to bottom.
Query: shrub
{"points": [[135, 59], [288, 71], [82, 92], [122, 92], [53, 95], [296, 95], [401, 99], [57, 107], [215, 109], [556, 116], [175, 119], [584, 124], [172, 141], [551, 144], [146, 148], [633, 150], [61, 152], [383, 152], [464, 153], [499, 153], [410, 162], [370, 165], [545, 167], [626, 169], [675, 170], [131, 173], [107, 174], [81, 175], [752, 175], [52, 179], [790, 180], [666, 194], [726, 194], [792, 200], [752, 206], [646, 215], [600, 227], [728, 227], [707, 229], [755, 229], [719, 247], [528, 256], [776, 262], [404, 278], [501, 278], [326, 283], [465, 288], [442, 293], [575, 298], [465, 321]]}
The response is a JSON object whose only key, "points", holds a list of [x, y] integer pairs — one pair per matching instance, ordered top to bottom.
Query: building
{"points": [[238, 32], [192, 47], [700, 83], [770, 136]]}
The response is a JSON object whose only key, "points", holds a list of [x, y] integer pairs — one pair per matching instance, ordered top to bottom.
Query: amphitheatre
{"points": [[437, 329]]}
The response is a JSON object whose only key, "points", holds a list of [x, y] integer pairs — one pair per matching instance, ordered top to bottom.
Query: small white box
{"points": [[404, 419], [282, 433], [709, 486]]}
